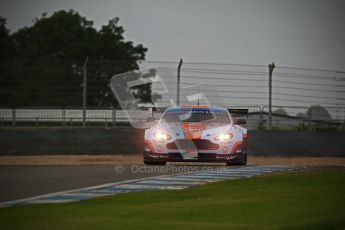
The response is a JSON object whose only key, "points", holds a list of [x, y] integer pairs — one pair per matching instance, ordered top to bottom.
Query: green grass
{"points": [[300, 200]]}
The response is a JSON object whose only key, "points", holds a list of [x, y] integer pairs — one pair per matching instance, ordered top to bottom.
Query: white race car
{"points": [[196, 133]]}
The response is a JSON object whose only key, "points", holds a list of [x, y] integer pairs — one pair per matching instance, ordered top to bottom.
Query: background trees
{"points": [[42, 65]]}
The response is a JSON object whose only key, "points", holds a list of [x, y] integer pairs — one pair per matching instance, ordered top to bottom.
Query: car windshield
{"points": [[196, 115]]}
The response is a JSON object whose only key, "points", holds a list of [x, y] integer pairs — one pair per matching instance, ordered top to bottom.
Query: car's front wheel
{"points": [[242, 161]]}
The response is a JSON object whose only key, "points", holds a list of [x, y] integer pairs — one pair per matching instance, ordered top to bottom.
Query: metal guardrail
{"points": [[69, 116], [283, 117], [305, 118]]}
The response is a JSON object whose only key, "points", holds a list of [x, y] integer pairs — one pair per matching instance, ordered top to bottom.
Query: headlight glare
{"points": [[161, 136], [223, 137]]}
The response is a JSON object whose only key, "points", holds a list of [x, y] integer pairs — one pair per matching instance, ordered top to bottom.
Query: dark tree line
{"points": [[42, 65]]}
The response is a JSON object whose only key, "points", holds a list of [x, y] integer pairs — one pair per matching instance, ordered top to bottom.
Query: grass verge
{"points": [[299, 200]]}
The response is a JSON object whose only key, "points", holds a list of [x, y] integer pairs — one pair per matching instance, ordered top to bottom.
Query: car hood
{"points": [[193, 130]]}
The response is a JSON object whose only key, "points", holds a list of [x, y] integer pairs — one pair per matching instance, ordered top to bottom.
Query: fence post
{"points": [[270, 69], [178, 82], [14, 115]]}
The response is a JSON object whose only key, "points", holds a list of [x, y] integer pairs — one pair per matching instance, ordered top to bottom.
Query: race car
{"points": [[197, 133]]}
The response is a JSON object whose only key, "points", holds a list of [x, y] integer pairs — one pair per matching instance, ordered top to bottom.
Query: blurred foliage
{"points": [[42, 65]]}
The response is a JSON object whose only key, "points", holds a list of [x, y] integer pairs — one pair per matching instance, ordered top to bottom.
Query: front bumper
{"points": [[206, 150], [202, 157]]}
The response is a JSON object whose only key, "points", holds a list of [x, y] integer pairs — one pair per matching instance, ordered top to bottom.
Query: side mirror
{"points": [[150, 119], [240, 121]]}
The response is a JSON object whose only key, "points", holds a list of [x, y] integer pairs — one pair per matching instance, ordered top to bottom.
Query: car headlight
{"points": [[161, 136], [224, 137]]}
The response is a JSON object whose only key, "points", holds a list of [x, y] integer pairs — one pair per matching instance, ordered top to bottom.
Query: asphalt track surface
{"points": [[17, 182], [164, 182]]}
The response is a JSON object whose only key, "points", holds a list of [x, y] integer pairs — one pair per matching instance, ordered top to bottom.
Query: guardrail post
{"points": [[84, 90], [309, 114], [14, 115], [113, 116], [63, 117], [261, 118], [341, 126]]}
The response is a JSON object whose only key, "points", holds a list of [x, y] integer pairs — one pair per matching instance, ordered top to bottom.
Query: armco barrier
{"points": [[27, 141], [30, 141], [296, 143]]}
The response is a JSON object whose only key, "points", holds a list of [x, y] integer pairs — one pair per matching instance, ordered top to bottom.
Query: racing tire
{"points": [[244, 161], [154, 162], [234, 163]]}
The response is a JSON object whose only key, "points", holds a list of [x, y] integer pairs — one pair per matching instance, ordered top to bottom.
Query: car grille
{"points": [[201, 144]]}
